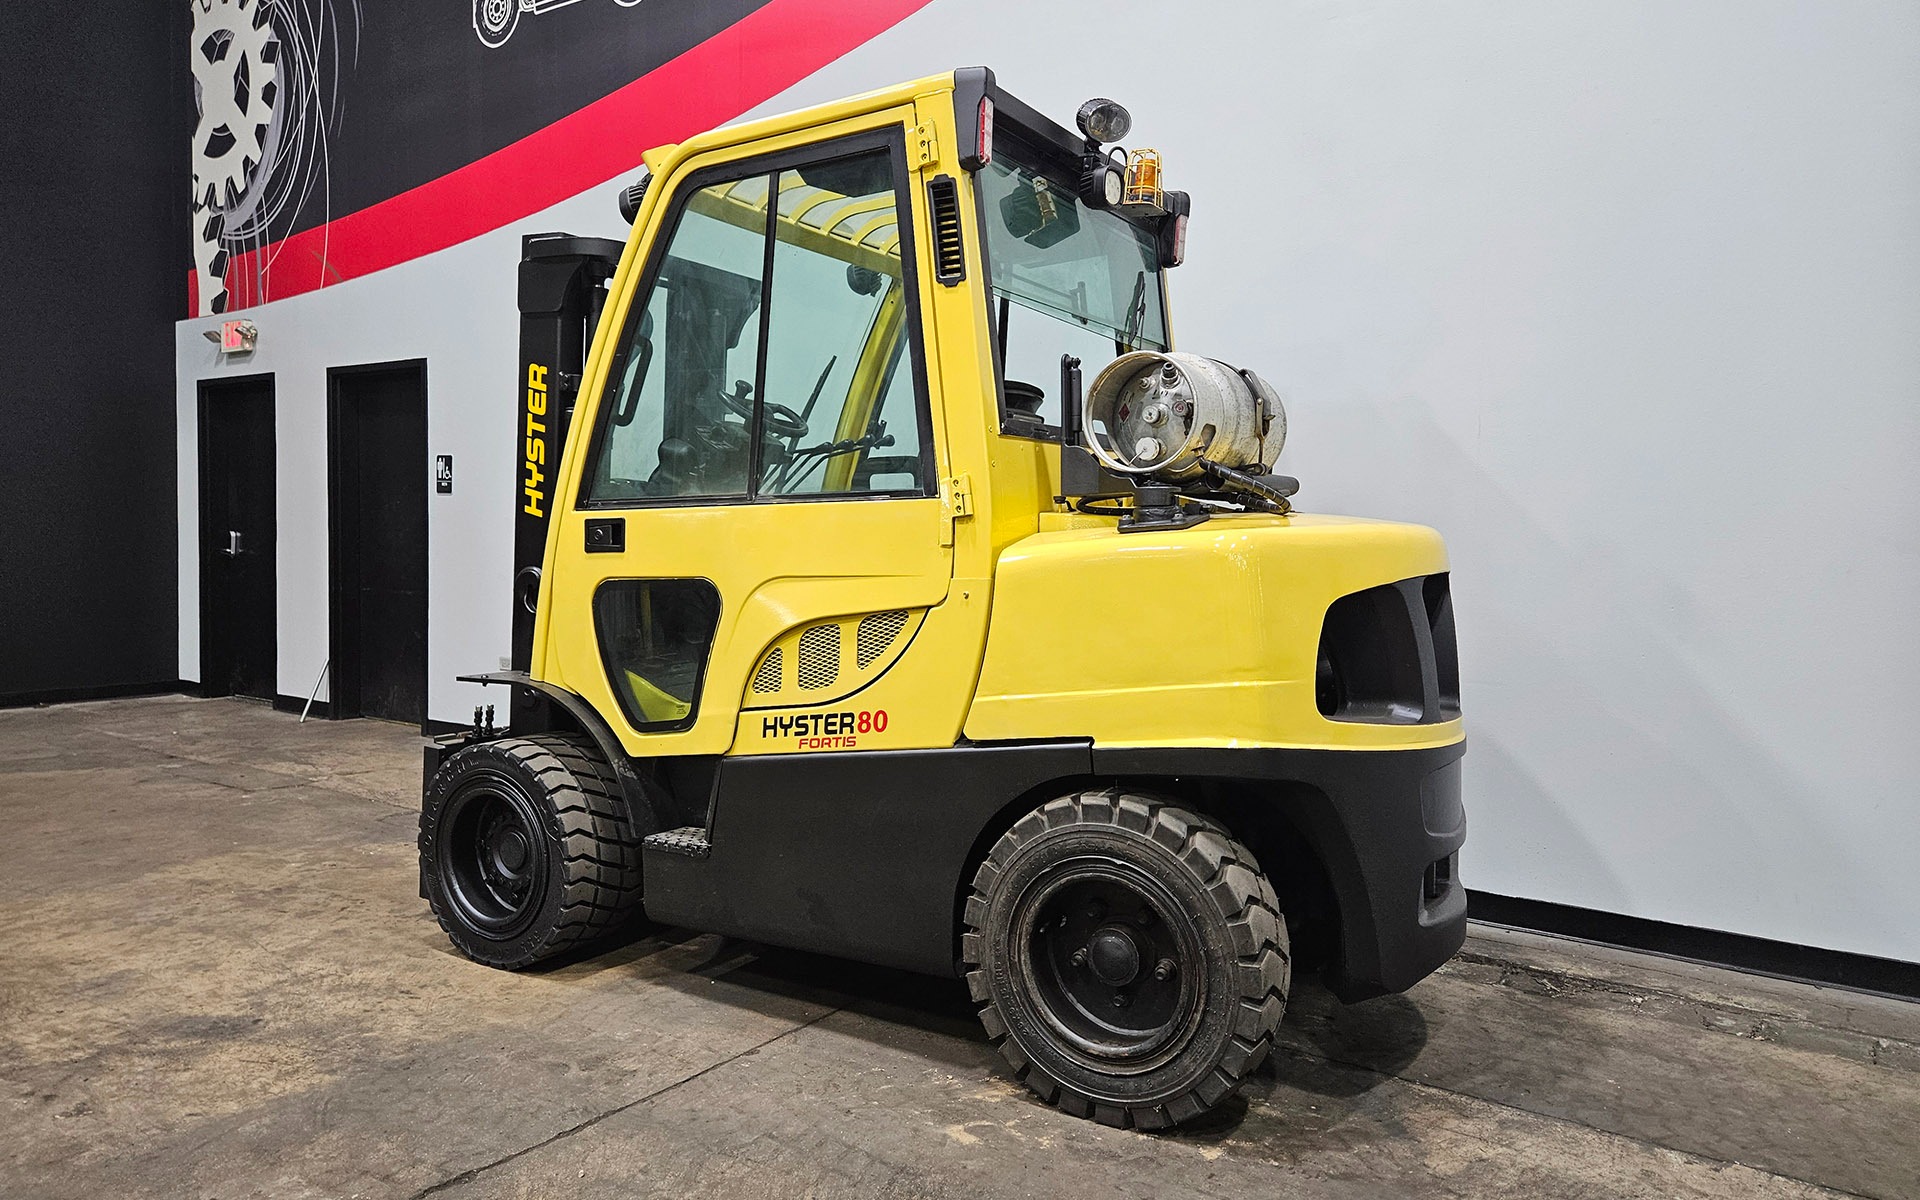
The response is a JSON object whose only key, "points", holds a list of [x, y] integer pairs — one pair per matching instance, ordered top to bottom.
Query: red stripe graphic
{"points": [[724, 76]]}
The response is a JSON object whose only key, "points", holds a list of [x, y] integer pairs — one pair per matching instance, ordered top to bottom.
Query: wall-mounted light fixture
{"points": [[235, 337]]}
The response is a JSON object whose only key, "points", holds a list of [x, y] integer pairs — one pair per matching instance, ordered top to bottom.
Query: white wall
{"points": [[1624, 298], [457, 310]]}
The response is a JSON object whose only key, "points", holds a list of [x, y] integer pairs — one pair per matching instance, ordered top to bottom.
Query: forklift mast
{"points": [[563, 289]]}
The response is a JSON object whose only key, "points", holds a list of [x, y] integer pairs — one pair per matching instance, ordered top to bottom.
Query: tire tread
{"points": [[599, 861], [1229, 875]]}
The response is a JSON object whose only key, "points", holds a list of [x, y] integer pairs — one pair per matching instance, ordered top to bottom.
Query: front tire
{"points": [[527, 849], [1128, 957]]}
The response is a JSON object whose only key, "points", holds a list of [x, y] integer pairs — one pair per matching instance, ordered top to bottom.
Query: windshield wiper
{"points": [[1136, 313], [815, 456]]}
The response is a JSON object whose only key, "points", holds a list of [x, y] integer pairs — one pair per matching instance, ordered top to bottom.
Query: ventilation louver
{"points": [[949, 254], [876, 635], [819, 657], [766, 680]]}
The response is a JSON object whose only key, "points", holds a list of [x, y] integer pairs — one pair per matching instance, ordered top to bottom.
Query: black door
{"points": [[379, 562], [238, 648]]}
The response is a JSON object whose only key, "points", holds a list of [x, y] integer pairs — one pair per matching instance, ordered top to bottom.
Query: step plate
{"points": [[690, 841]]}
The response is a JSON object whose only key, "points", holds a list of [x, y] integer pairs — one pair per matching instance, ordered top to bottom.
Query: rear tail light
{"points": [[984, 151]]}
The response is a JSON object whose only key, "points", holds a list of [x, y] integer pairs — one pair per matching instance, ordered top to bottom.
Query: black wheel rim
{"points": [[495, 13], [492, 857], [1107, 958]]}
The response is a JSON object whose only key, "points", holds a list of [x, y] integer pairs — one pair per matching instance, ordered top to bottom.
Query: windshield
{"points": [[1066, 279]]}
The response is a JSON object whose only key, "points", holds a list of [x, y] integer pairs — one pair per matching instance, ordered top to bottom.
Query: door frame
{"points": [[202, 402], [675, 537], [339, 642]]}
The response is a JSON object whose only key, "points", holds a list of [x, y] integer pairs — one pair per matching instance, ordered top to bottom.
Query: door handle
{"points": [[607, 535], [233, 544]]}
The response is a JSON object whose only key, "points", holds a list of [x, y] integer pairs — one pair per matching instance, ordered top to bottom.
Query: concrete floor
{"points": [[219, 983]]}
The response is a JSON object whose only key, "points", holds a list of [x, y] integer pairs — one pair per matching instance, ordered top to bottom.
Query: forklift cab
{"points": [[824, 364]]}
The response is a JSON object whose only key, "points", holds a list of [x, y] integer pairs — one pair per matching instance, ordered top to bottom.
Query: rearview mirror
{"points": [[1040, 216]]}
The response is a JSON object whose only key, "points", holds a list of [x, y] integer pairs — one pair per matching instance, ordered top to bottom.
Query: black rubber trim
{"points": [[1755, 955]]}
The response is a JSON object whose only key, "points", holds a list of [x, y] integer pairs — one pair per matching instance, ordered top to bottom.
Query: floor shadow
{"points": [[626, 943], [758, 973], [1323, 1049], [1346, 1049], [1326, 1056]]}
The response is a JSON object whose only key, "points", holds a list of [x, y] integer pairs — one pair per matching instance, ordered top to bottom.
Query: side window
{"points": [[1031, 343], [682, 406], [839, 406], [832, 407], [654, 638]]}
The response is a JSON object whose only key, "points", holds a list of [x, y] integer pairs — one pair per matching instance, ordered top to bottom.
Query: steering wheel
{"points": [[780, 421]]}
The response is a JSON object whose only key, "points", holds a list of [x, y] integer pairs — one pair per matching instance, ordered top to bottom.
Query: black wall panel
{"points": [[420, 95], [93, 238]]}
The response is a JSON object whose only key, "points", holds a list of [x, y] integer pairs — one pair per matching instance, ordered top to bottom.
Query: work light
{"points": [[1103, 120], [1103, 180]]}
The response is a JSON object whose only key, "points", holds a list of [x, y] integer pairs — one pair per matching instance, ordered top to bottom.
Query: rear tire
{"points": [[527, 849], [1128, 956]]}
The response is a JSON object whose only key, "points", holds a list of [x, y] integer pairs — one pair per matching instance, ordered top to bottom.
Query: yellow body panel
{"points": [[1195, 637], [1200, 637], [912, 705]]}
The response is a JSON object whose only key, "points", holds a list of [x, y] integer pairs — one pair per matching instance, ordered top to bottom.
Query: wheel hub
{"points": [[509, 851], [491, 859], [1113, 956], [1106, 966]]}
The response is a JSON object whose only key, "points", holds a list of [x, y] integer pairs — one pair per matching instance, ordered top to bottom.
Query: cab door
{"points": [[756, 535]]}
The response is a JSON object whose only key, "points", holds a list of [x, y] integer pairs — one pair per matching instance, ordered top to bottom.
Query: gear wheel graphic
{"points": [[236, 83]]}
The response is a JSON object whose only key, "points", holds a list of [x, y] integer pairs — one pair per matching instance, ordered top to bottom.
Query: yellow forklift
{"points": [[889, 587]]}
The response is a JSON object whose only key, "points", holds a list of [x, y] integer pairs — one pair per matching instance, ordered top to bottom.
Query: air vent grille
{"points": [[949, 253], [876, 635], [819, 657], [1375, 666], [767, 679]]}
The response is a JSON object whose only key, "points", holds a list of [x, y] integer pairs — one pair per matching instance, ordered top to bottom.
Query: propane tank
{"points": [[1164, 413]]}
